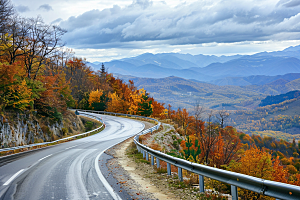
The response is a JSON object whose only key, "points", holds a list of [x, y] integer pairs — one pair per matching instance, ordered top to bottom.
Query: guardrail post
{"points": [[144, 155], [147, 156], [152, 160], [157, 163], [169, 168], [180, 174], [201, 183], [234, 192]]}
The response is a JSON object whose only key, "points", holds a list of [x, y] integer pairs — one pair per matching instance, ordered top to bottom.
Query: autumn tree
{"points": [[80, 77], [14, 92], [97, 100], [117, 104], [158, 109], [198, 122], [257, 163]]}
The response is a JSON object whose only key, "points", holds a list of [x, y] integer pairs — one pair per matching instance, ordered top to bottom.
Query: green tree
{"points": [[145, 108]]}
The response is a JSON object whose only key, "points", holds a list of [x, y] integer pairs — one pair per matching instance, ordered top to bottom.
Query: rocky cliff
{"points": [[21, 129]]}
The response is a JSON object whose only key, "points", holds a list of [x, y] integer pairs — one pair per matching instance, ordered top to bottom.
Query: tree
{"points": [[6, 11], [15, 39], [41, 43], [103, 72], [80, 77], [14, 92], [97, 100], [117, 104], [145, 108], [158, 109], [222, 115], [198, 124], [257, 163]]}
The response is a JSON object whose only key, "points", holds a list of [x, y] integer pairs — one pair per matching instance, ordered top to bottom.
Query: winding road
{"points": [[72, 170]]}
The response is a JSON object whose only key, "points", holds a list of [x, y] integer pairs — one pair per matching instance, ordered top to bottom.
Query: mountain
{"points": [[293, 51], [178, 61], [252, 65], [220, 70], [151, 71], [254, 80], [276, 87]]}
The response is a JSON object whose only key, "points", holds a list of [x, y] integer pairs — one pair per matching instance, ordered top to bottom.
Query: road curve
{"points": [[72, 170]]}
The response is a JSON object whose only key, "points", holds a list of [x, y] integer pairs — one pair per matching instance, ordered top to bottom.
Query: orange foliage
{"points": [[95, 97], [158, 109], [255, 162], [279, 174]]}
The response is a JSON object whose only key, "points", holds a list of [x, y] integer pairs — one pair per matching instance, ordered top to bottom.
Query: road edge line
{"points": [[100, 175], [13, 177], [103, 179]]}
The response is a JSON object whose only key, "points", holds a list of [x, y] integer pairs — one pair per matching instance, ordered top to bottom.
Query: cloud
{"points": [[289, 3], [45, 7], [22, 9], [56, 21], [155, 23]]}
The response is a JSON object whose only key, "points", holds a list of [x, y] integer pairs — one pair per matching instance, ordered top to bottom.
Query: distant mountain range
{"points": [[235, 70]]}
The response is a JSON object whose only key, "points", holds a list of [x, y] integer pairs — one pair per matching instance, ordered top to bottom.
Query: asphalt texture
{"points": [[69, 170]]}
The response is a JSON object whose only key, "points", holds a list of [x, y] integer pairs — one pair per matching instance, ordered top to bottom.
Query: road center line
{"points": [[71, 147], [45, 157], [13, 177]]}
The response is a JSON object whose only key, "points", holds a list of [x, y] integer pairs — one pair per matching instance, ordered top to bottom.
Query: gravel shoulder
{"points": [[139, 180]]}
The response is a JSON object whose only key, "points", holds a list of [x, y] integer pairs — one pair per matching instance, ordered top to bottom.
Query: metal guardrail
{"points": [[56, 141], [258, 185]]}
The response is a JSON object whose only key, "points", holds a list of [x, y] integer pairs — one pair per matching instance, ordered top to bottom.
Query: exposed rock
{"points": [[22, 129]]}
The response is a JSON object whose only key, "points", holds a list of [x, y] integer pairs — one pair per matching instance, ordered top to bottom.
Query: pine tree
{"points": [[145, 107]]}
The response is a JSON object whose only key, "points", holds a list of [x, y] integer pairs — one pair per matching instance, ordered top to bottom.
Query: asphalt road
{"points": [[72, 170]]}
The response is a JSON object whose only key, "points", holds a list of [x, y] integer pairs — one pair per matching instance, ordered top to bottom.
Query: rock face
{"points": [[22, 129]]}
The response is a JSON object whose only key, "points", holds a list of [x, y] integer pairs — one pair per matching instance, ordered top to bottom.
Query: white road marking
{"points": [[72, 147], [45, 157], [13, 177], [103, 180]]}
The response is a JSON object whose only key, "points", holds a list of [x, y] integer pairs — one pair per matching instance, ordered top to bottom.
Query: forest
{"points": [[38, 74], [269, 100]]}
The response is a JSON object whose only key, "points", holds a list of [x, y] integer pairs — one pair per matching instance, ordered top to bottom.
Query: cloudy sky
{"points": [[102, 30]]}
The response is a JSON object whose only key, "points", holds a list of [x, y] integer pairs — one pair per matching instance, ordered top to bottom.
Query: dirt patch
{"points": [[139, 180]]}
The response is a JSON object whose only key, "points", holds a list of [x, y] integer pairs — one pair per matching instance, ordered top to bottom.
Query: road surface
{"points": [[72, 170]]}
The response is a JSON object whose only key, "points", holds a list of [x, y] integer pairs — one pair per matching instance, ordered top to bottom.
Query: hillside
{"points": [[184, 93], [269, 100], [281, 121]]}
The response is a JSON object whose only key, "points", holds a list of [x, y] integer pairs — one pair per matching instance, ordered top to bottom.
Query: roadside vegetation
{"points": [[39, 75], [206, 142]]}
